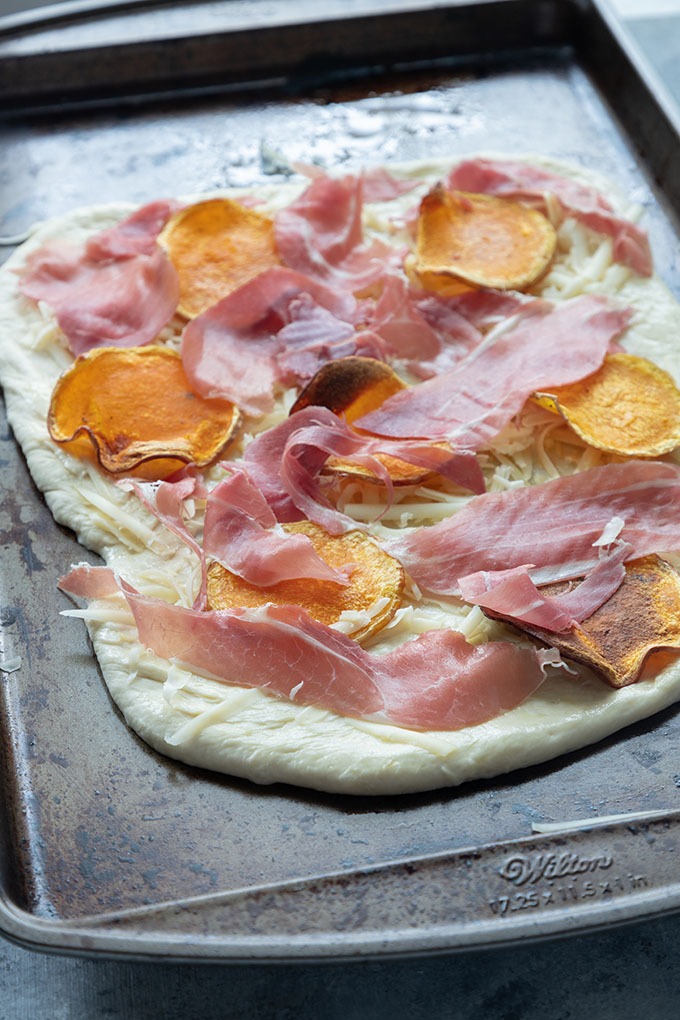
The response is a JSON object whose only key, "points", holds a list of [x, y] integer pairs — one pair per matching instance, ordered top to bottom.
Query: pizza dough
{"points": [[243, 731]]}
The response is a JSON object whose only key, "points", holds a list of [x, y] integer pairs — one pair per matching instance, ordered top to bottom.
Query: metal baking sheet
{"points": [[108, 848]]}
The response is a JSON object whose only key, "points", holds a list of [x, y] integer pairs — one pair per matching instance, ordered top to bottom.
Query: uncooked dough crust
{"points": [[243, 731]]}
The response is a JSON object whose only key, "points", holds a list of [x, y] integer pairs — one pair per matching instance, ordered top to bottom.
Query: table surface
{"points": [[625, 972]]}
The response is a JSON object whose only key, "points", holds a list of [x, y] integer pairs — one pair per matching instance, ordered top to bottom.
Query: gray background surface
{"points": [[629, 973]]}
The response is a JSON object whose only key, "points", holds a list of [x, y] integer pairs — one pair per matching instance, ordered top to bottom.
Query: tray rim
{"points": [[267, 53], [103, 935]]}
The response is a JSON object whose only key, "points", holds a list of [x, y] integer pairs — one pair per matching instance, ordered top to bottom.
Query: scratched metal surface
{"points": [[95, 825]]}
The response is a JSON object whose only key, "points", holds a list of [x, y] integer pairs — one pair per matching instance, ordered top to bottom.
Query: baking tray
{"points": [[108, 848]]}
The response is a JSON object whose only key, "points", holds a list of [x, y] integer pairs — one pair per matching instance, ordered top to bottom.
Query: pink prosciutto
{"points": [[516, 180], [379, 185], [135, 235], [321, 235], [120, 289], [483, 309], [427, 334], [431, 334], [314, 336], [237, 348], [297, 365], [469, 405], [285, 462], [169, 501], [552, 525], [240, 532], [514, 595], [437, 681]]}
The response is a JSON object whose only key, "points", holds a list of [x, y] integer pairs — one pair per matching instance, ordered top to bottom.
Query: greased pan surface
{"points": [[109, 848]]}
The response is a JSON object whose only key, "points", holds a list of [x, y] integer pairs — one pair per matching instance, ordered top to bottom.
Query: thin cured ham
{"points": [[523, 182], [379, 185], [135, 235], [321, 235], [120, 289], [120, 302], [483, 309], [397, 319], [456, 324], [312, 325], [424, 332], [314, 336], [233, 350], [300, 364], [468, 406], [286, 461], [169, 501], [556, 523], [239, 530], [240, 533], [512, 593], [437, 681]]}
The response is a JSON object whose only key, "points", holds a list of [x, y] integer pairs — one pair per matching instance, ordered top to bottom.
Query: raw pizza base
{"points": [[243, 731]]}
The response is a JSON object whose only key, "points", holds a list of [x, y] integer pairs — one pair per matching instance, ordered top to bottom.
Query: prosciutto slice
{"points": [[516, 180], [379, 185], [320, 234], [135, 235], [120, 289], [483, 309], [427, 334], [431, 334], [315, 336], [548, 346], [234, 349], [299, 364], [285, 463], [169, 502], [555, 524], [240, 532], [514, 595], [437, 681]]}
